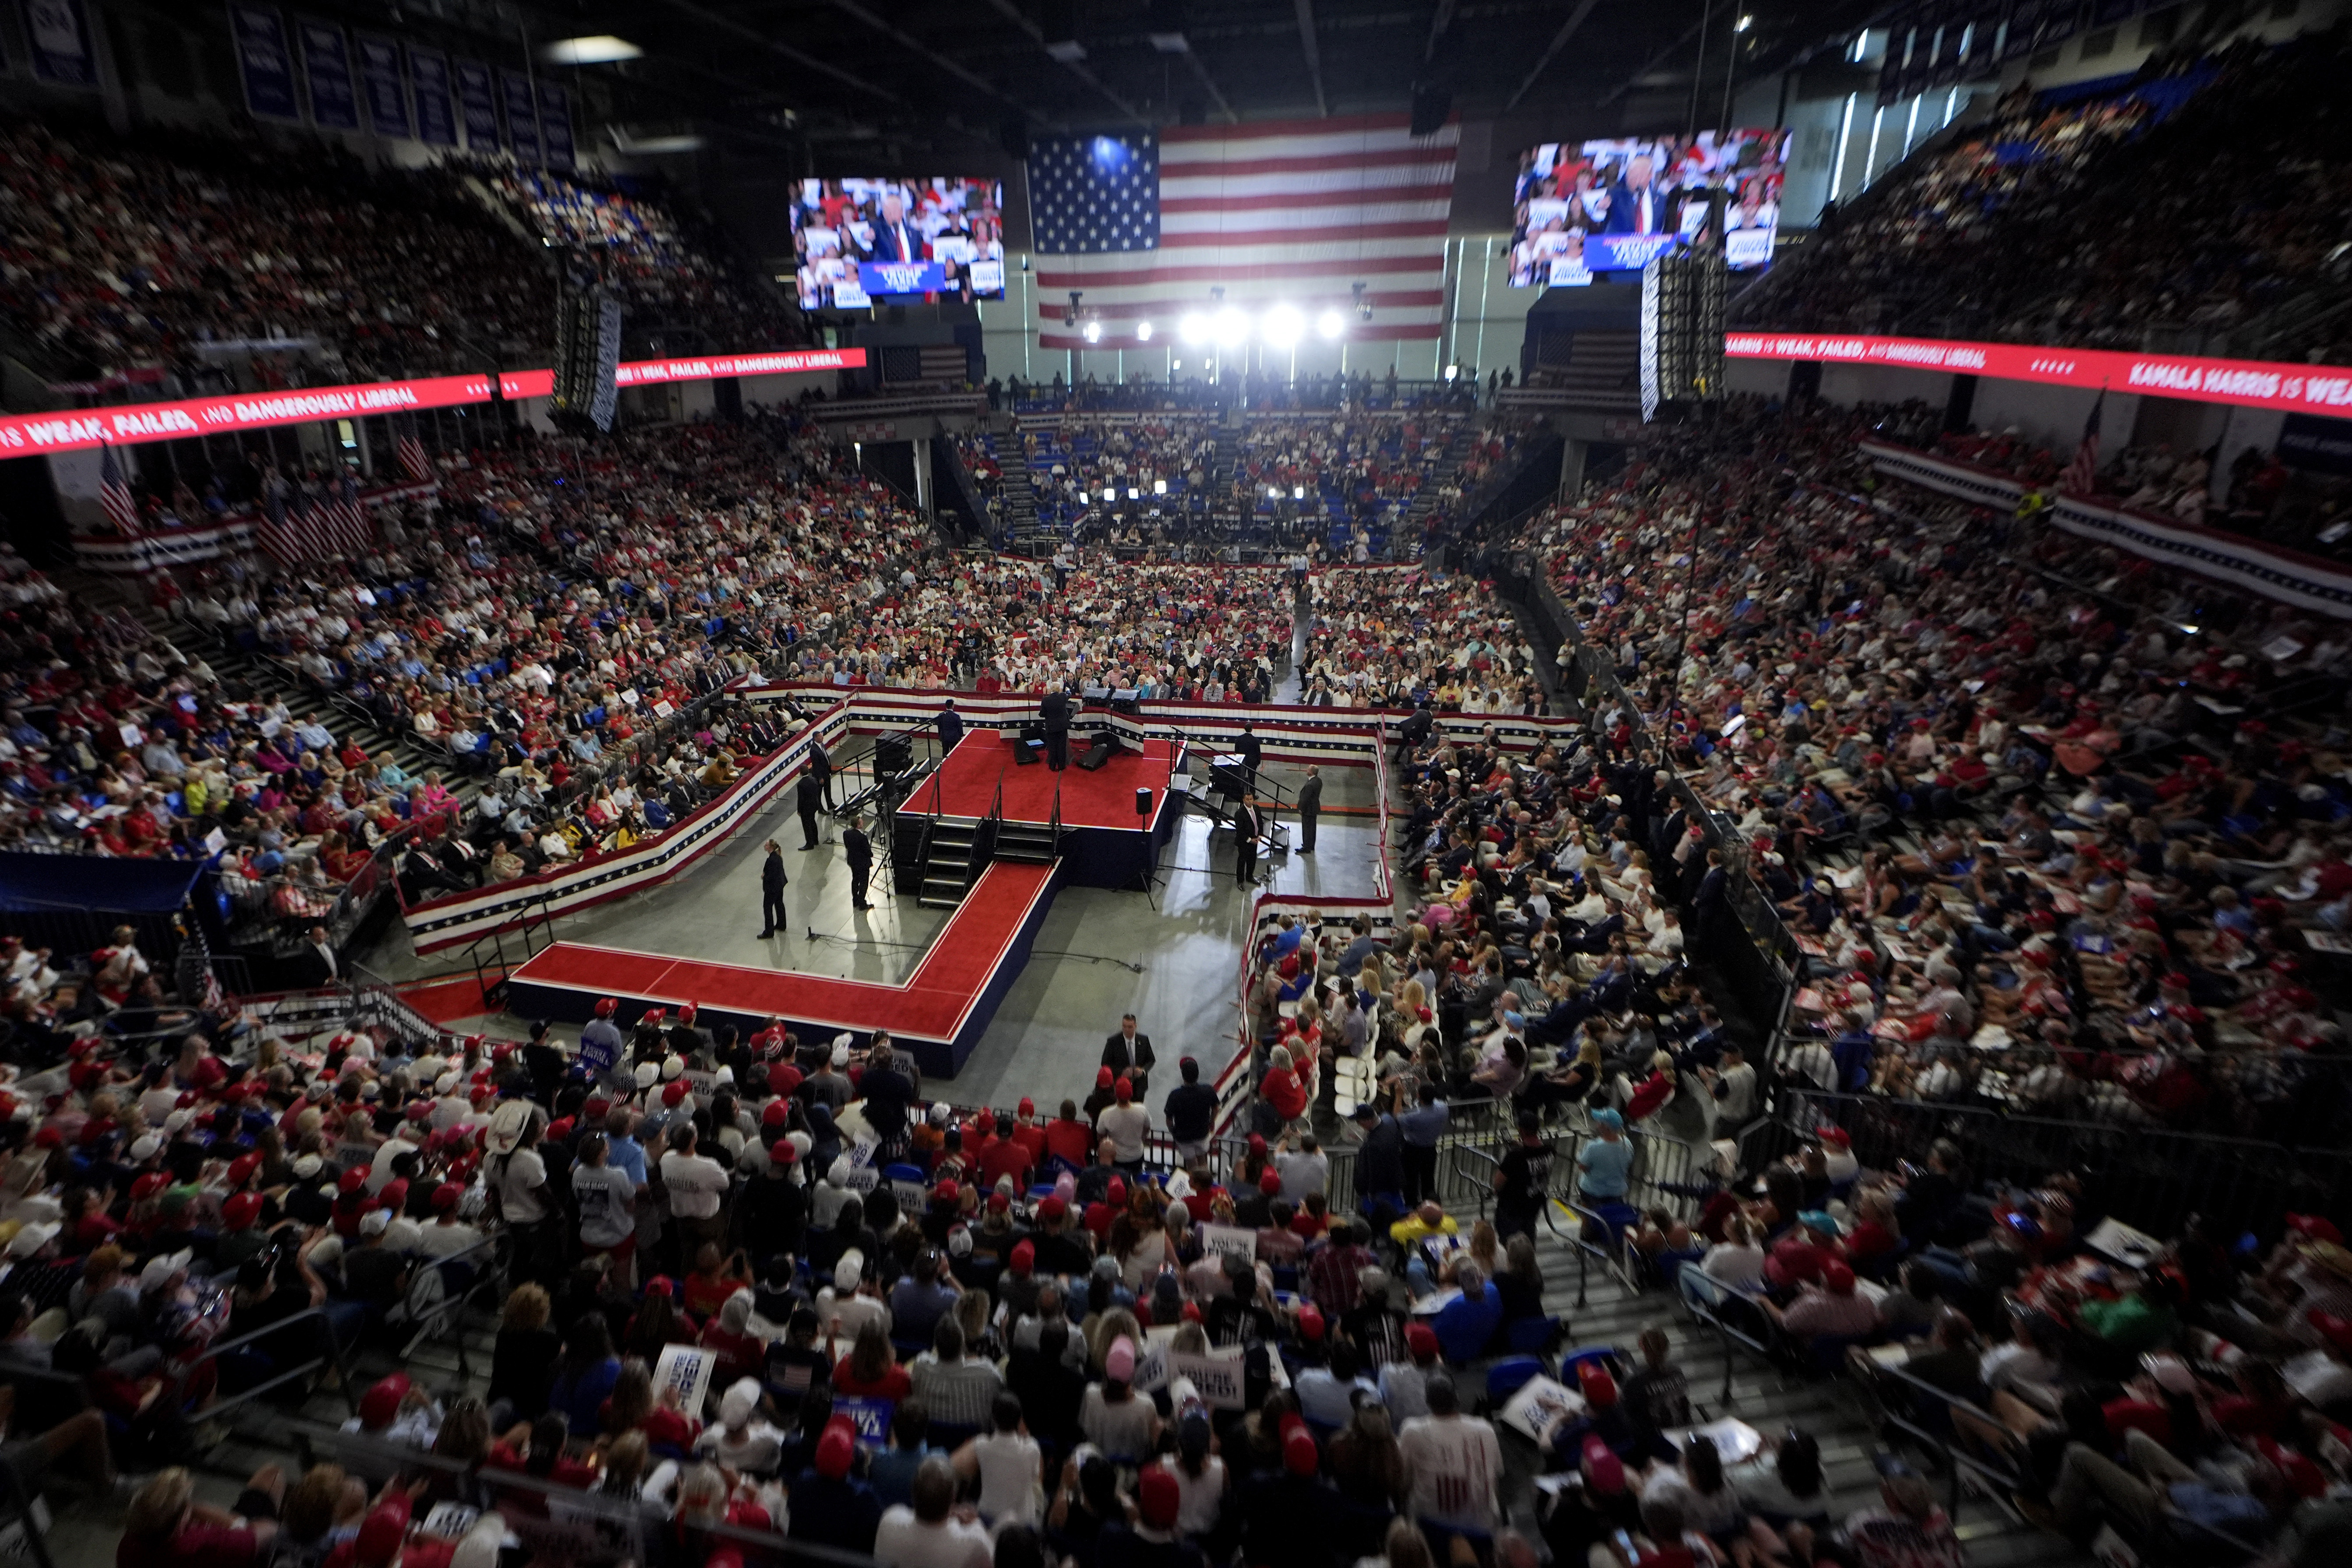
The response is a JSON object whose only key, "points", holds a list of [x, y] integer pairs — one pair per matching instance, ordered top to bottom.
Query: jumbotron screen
{"points": [[1609, 206], [859, 241]]}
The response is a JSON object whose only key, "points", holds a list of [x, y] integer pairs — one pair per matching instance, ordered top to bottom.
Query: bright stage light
{"points": [[600, 49], [1331, 323], [1283, 326], [1233, 327], [1193, 328], [1142, 332], [1092, 334], [1159, 486], [1299, 492]]}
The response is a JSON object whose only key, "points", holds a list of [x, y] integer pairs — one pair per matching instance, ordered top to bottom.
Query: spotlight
{"points": [[598, 49], [1330, 324], [1282, 326], [1193, 328], [1232, 328], [1142, 332], [1092, 334], [1159, 486], [1274, 492], [1299, 492], [1134, 494]]}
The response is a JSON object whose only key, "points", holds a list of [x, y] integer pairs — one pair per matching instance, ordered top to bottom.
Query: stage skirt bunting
{"points": [[2289, 576]]}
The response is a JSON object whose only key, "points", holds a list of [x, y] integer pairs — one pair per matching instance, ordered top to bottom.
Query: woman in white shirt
{"points": [[1736, 1263]]}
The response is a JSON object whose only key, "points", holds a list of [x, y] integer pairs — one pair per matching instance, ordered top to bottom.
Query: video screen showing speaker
{"points": [[1589, 207], [858, 241]]}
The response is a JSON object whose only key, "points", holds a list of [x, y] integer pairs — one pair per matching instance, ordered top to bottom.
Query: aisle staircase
{"points": [[1013, 461]]}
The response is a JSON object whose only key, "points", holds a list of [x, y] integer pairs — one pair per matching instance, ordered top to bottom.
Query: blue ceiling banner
{"points": [[58, 32], [266, 64], [326, 65], [428, 79], [387, 97], [479, 100], [523, 117], [555, 126]]}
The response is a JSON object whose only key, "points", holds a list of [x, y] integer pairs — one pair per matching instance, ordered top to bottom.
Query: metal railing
{"points": [[441, 1290]]}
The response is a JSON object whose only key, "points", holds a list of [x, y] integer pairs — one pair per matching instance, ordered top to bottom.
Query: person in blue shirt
{"points": [[1604, 1162], [1464, 1326], [584, 1377], [891, 1473]]}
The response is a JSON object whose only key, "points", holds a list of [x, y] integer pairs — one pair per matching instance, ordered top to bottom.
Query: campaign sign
{"points": [[1624, 252], [901, 277], [1236, 1240], [686, 1371], [1217, 1380], [870, 1416]]}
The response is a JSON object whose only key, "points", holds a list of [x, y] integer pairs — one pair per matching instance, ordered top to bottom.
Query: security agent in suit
{"points": [[1055, 712], [950, 727], [820, 764], [808, 797], [1310, 802], [1246, 828], [858, 851], [772, 882], [316, 965], [1130, 1052]]}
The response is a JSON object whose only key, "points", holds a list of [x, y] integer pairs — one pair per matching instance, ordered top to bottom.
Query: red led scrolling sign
{"points": [[2246, 384], [123, 425]]}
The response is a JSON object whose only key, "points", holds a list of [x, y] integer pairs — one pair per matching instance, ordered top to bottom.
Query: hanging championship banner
{"points": [[59, 31], [264, 62], [326, 65], [428, 79], [387, 98], [478, 104], [523, 117], [555, 126]]}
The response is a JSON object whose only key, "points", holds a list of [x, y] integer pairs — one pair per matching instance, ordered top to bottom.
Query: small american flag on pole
{"points": [[413, 461], [2081, 476], [114, 497], [345, 522]]}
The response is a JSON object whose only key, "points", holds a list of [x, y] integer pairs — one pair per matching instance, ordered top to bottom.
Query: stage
{"points": [[1106, 843], [944, 1004]]}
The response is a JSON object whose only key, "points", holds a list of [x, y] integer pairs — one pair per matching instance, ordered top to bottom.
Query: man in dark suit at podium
{"points": [[1055, 712], [1249, 748]]}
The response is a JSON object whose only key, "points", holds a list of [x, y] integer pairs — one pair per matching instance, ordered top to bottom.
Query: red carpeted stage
{"points": [[1102, 797], [944, 1006], [938, 1013]]}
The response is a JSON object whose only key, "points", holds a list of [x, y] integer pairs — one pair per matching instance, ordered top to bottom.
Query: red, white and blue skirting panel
{"points": [[937, 1014]]}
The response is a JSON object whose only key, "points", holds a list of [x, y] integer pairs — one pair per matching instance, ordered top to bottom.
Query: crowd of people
{"points": [[2080, 222], [193, 264], [1164, 460], [1341, 475], [1396, 638], [2027, 805]]}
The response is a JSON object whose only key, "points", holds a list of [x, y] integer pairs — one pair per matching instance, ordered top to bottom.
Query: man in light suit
{"points": [[1636, 206], [896, 239]]}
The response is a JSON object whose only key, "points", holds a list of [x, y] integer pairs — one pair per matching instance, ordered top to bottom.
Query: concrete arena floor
{"points": [[1099, 955]]}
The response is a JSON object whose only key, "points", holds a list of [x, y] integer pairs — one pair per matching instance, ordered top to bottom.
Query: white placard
{"points": [[1229, 1241], [1152, 1369], [687, 1370], [1218, 1379], [1539, 1407]]}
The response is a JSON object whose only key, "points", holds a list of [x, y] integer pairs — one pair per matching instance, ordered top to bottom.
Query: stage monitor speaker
{"points": [[1104, 749], [1026, 751], [893, 754], [1143, 800]]}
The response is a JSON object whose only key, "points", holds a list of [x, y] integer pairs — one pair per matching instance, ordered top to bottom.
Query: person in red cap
{"points": [[1105, 1091], [1126, 1125], [1028, 1131], [1006, 1157], [1832, 1310], [831, 1507], [1289, 1516]]}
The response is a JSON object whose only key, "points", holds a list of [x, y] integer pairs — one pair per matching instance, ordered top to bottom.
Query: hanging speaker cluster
{"points": [[587, 359]]}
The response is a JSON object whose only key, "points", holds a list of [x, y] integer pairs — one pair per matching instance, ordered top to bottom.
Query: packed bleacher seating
{"points": [[2091, 221], [190, 265], [671, 279], [1165, 459], [1338, 482], [1389, 639]]}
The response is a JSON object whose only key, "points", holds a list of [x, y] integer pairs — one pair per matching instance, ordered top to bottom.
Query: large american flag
{"points": [[1293, 212]]}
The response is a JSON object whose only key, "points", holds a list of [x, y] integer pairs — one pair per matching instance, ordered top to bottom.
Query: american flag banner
{"points": [[1284, 211], [412, 460], [2082, 475], [114, 497], [343, 521], [281, 532]]}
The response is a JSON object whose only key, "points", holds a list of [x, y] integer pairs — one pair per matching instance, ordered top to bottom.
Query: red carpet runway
{"points": [[1104, 798], [938, 1013]]}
